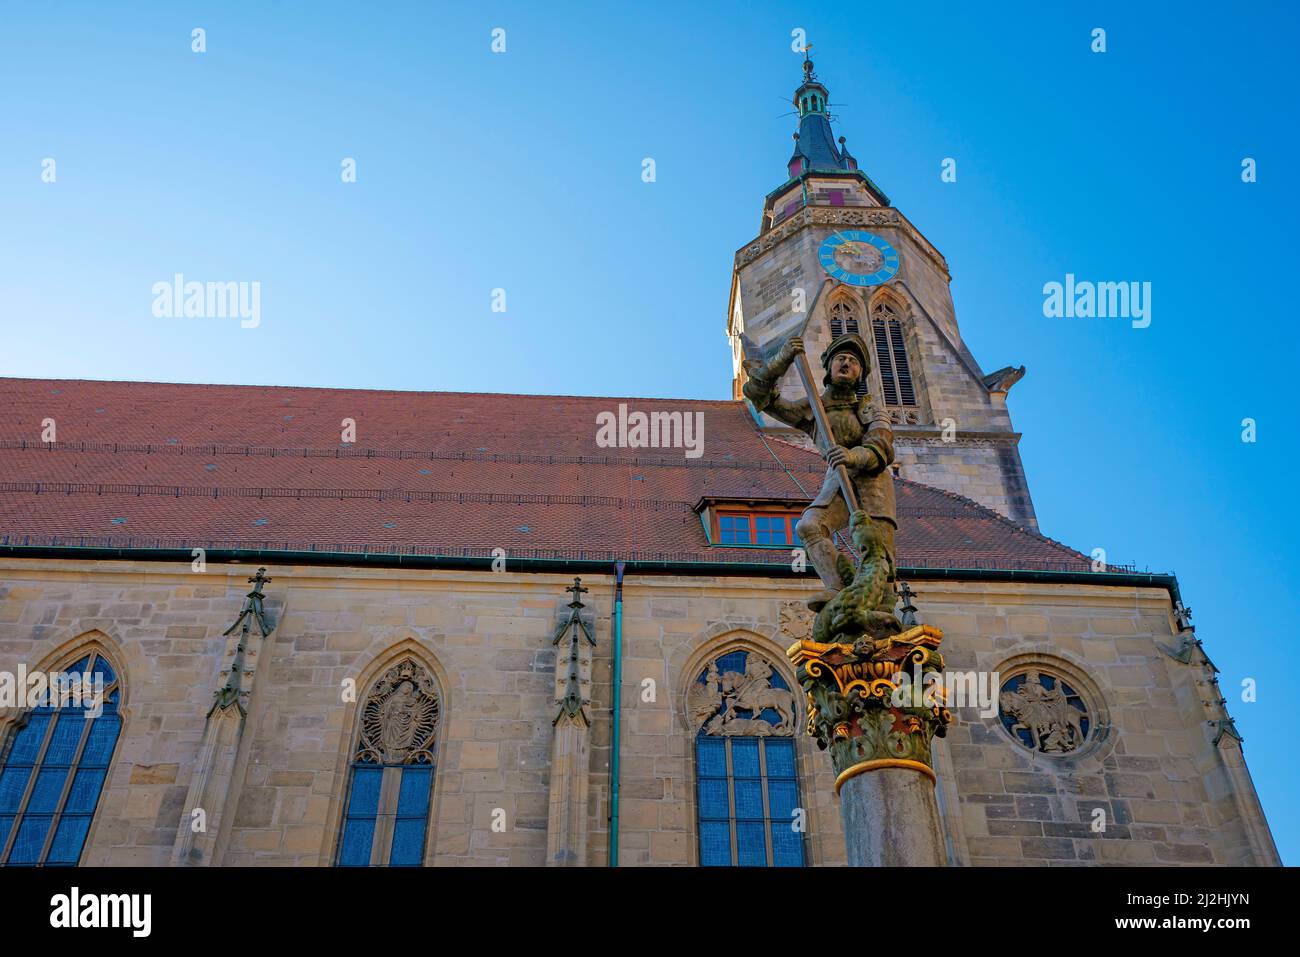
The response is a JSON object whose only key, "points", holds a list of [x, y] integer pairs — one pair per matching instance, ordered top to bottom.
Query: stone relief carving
{"points": [[834, 216], [904, 416], [796, 621], [715, 703], [1046, 712], [400, 717]]}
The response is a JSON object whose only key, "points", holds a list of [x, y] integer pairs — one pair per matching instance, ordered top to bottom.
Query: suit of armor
{"points": [[858, 427]]}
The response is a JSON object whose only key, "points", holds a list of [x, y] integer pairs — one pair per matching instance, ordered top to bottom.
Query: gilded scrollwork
{"points": [[852, 711]]}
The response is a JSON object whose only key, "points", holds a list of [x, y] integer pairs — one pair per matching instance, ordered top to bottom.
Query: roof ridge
{"points": [[320, 388]]}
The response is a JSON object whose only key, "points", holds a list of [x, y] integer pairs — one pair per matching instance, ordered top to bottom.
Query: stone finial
{"points": [[253, 609], [907, 614], [230, 693], [572, 702]]}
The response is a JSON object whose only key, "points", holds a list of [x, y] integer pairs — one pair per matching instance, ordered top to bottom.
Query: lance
{"points": [[825, 437]]}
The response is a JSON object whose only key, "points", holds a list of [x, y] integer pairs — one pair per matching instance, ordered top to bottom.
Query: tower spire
{"points": [[815, 147]]}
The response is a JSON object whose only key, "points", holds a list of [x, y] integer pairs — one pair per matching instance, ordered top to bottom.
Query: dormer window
{"points": [[750, 523]]}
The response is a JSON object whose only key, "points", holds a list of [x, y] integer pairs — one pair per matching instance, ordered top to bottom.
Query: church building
{"points": [[338, 627]]}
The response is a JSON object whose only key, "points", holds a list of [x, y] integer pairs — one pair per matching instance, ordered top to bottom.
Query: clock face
{"points": [[858, 258]]}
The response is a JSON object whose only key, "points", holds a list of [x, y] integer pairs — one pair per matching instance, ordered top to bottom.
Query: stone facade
{"points": [[951, 393], [1170, 794]]}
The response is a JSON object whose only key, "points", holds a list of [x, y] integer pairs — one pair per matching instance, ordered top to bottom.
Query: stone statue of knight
{"points": [[862, 441]]}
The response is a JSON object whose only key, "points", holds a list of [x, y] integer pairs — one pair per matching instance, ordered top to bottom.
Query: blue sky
{"points": [[522, 171]]}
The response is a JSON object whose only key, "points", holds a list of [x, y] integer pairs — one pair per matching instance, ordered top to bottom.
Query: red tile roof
{"points": [[433, 473]]}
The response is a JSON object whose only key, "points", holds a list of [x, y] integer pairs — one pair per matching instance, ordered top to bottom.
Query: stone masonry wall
{"points": [[1170, 796]]}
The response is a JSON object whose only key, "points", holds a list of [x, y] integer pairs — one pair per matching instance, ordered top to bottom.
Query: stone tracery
{"points": [[400, 717]]}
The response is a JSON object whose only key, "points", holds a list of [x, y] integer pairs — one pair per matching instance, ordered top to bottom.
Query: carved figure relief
{"points": [[796, 621], [727, 702], [1043, 713], [400, 717]]}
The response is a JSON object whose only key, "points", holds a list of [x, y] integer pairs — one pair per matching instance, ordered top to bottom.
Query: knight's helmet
{"points": [[851, 342]]}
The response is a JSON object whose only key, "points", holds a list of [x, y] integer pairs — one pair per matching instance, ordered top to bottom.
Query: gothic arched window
{"points": [[843, 320], [891, 356], [53, 766], [747, 790], [386, 817]]}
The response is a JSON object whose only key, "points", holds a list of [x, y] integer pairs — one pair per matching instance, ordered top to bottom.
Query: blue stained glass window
{"points": [[102, 668], [67, 735], [100, 741], [27, 745], [713, 757], [744, 757], [780, 757], [55, 770], [366, 782], [13, 783], [49, 785], [746, 785], [391, 788], [85, 791], [414, 797], [713, 798], [749, 798], [782, 799], [376, 805], [412, 816], [357, 837], [30, 839], [68, 839], [408, 843], [715, 844], [787, 845], [751, 846]]}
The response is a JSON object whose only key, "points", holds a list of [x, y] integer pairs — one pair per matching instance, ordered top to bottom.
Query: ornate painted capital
{"points": [[851, 700]]}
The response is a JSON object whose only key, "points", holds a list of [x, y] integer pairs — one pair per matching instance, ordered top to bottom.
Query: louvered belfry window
{"points": [[842, 320], [891, 354]]}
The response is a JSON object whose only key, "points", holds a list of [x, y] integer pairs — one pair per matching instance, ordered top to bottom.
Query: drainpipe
{"points": [[617, 693]]}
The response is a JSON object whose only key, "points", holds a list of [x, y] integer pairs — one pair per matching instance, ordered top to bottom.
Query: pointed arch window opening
{"points": [[842, 320], [891, 357], [53, 768], [390, 786], [748, 809]]}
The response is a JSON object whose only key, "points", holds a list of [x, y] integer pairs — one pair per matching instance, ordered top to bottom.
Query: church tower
{"points": [[833, 255]]}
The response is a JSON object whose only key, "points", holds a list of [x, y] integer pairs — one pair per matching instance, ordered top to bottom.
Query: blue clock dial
{"points": [[858, 258]]}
